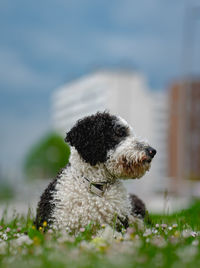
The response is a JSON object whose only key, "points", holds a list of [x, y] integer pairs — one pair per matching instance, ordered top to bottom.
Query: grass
{"points": [[166, 241]]}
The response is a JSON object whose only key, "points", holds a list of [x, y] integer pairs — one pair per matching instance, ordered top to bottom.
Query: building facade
{"points": [[184, 131]]}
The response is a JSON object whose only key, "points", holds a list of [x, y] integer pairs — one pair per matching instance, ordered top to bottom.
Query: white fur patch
{"points": [[76, 207]]}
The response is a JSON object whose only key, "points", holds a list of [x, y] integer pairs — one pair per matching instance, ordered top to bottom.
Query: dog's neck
{"points": [[80, 168]]}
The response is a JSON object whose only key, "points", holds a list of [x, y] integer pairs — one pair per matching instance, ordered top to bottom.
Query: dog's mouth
{"points": [[146, 159], [134, 168]]}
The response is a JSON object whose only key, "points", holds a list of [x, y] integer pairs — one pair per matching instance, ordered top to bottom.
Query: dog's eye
{"points": [[120, 131]]}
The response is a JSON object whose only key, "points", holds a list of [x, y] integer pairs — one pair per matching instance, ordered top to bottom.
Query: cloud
{"points": [[154, 14], [69, 35], [151, 53], [16, 74], [17, 136]]}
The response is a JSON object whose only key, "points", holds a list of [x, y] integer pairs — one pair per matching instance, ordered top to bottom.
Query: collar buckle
{"points": [[97, 188]]}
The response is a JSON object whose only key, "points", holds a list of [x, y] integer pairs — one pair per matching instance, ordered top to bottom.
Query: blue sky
{"points": [[44, 44]]}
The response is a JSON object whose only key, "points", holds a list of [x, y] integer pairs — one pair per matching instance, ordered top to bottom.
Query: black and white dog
{"points": [[104, 151]]}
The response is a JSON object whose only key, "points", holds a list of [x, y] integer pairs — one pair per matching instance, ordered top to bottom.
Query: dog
{"points": [[104, 152]]}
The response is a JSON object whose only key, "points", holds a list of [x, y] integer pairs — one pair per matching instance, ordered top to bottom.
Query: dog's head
{"points": [[108, 139]]}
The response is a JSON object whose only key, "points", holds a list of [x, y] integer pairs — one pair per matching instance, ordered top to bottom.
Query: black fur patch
{"points": [[95, 135], [45, 205], [138, 206], [122, 223]]}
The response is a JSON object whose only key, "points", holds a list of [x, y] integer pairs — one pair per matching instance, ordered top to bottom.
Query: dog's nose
{"points": [[150, 151]]}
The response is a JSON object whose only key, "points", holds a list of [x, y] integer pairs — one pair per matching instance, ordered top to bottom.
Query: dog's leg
{"points": [[45, 206], [138, 208], [138, 212]]}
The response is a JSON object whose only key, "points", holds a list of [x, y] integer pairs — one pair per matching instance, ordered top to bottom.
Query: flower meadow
{"points": [[165, 241]]}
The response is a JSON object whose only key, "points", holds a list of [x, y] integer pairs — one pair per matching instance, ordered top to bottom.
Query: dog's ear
{"points": [[87, 136]]}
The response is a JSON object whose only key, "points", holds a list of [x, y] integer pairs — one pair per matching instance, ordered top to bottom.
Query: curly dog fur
{"points": [[104, 151]]}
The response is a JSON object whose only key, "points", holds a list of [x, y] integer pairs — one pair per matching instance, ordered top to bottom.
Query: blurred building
{"points": [[125, 93], [184, 132]]}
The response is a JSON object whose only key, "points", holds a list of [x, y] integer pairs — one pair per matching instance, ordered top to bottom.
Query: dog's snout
{"points": [[150, 151]]}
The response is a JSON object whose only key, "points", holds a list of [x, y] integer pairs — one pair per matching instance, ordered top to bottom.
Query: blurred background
{"points": [[61, 60]]}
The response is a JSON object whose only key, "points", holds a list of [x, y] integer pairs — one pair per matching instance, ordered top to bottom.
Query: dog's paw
{"points": [[136, 222], [109, 234]]}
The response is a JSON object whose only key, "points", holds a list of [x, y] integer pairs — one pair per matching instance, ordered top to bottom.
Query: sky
{"points": [[44, 44]]}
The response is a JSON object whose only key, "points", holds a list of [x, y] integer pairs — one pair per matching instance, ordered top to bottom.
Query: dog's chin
{"points": [[135, 171]]}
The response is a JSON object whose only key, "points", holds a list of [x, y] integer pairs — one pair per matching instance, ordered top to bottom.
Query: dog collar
{"points": [[97, 188]]}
